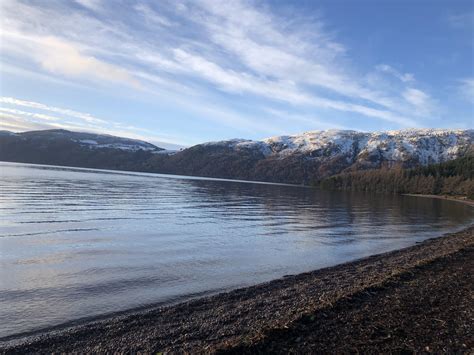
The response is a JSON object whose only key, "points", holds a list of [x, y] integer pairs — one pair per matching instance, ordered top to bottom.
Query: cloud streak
{"points": [[462, 21], [198, 51], [404, 77], [466, 88], [36, 105], [22, 120]]}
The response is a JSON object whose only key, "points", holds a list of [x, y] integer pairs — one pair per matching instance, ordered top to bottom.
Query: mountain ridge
{"points": [[93, 140], [299, 158]]}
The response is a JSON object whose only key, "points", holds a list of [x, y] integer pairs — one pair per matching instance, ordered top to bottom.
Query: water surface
{"points": [[77, 243]]}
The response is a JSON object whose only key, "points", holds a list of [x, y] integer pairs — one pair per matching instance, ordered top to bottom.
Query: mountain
{"points": [[87, 140], [62, 147], [313, 155], [298, 159]]}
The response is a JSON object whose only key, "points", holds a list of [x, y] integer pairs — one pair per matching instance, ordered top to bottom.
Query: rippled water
{"points": [[77, 243]]}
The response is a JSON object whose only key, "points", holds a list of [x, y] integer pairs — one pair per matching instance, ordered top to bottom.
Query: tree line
{"points": [[454, 177]]}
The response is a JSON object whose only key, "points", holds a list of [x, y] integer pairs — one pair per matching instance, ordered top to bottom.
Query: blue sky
{"points": [[183, 72]]}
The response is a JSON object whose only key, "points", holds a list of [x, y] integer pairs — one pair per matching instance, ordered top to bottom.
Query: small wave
{"points": [[50, 232]]}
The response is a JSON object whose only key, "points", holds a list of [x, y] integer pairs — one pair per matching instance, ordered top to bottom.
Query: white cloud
{"points": [[94, 5], [151, 16], [263, 45], [236, 47], [58, 56], [65, 58], [6, 68], [404, 77], [466, 88], [287, 92], [415, 96], [420, 101], [36, 105], [40, 116], [19, 121], [14, 123]]}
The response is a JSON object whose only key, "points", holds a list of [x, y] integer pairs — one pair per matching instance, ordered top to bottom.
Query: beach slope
{"points": [[419, 298]]}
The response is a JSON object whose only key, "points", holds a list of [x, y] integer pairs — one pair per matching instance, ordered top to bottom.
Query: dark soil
{"points": [[416, 299]]}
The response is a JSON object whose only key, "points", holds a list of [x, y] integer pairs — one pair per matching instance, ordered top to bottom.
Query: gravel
{"points": [[415, 299]]}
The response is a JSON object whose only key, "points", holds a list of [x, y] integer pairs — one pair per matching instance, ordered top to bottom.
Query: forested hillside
{"points": [[454, 177]]}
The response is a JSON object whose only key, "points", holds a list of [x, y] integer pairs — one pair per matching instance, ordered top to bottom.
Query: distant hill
{"points": [[87, 140], [62, 147], [299, 159]]}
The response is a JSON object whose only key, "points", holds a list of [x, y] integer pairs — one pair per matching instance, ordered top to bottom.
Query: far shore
{"points": [[462, 199], [416, 299]]}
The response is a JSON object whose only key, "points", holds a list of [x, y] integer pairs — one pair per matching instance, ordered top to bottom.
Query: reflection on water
{"points": [[76, 243]]}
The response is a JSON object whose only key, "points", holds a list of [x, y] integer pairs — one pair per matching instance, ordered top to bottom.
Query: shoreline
{"points": [[151, 174], [461, 199], [241, 319]]}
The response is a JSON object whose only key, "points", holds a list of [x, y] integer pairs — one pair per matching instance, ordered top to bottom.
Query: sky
{"points": [[183, 72]]}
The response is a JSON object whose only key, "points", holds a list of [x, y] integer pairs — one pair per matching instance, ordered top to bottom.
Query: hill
{"points": [[62, 147], [298, 159]]}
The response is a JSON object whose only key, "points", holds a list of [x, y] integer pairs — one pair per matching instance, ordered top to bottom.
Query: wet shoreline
{"points": [[461, 199], [244, 318]]}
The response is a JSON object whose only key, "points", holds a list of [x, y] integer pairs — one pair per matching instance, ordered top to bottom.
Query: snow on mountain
{"points": [[92, 140], [111, 142], [127, 145], [369, 149], [297, 159]]}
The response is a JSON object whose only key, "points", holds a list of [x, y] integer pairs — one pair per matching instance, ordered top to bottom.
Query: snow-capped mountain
{"points": [[414, 146], [317, 154], [300, 158]]}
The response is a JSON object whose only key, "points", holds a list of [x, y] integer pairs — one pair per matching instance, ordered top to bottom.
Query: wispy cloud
{"points": [[95, 5], [151, 17], [462, 21], [203, 49], [66, 58], [405, 77], [466, 89], [420, 101], [36, 105], [39, 116], [22, 120], [15, 123]]}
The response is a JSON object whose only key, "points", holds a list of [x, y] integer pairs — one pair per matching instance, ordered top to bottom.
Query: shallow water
{"points": [[77, 243]]}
